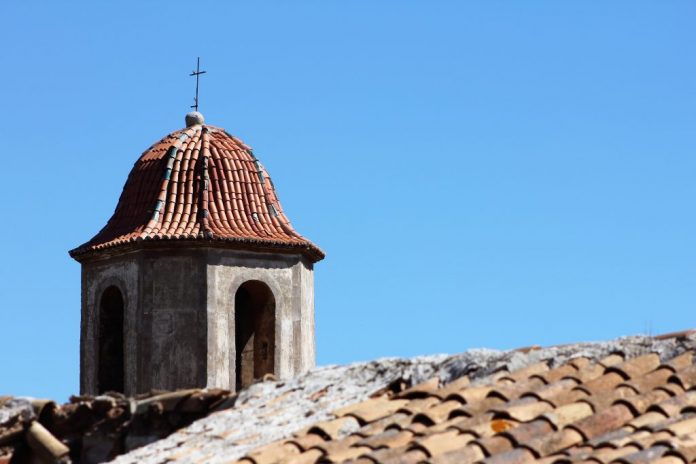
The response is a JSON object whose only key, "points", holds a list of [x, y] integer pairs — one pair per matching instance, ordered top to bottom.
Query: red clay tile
{"points": [[178, 189], [680, 334], [637, 367], [686, 378], [622, 410], [603, 421], [525, 432], [495, 444], [545, 445], [515, 456]]}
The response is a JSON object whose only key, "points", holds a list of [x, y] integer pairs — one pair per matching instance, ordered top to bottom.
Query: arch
{"points": [[254, 334], [110, 363]]}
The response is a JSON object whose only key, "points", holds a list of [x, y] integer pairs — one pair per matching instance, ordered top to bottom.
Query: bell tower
{"points": [[198, 279]]}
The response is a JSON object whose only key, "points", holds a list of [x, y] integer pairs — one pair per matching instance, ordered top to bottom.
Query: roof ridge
{"points": [[203, 178], [165, 183]]}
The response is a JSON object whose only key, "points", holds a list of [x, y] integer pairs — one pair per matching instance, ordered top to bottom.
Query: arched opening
{"points": [[254, 322], [110, 362]]}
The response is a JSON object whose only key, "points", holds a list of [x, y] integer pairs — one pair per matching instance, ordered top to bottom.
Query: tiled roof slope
{"points": [[202, 184], [632, 400], [608, 410], [96, 429]]}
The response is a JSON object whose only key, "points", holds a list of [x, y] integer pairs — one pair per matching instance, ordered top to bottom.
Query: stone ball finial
{"points": [[194, 118]]}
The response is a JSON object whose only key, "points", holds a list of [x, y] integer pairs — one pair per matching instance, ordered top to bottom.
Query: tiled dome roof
{"points": [[200, 184]]}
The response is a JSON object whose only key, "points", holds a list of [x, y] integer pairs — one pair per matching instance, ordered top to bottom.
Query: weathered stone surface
{"points": [[179, 315], [15, 409]]}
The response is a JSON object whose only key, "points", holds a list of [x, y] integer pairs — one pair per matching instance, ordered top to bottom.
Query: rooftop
{"points": [[202, 185], [631, 400]]}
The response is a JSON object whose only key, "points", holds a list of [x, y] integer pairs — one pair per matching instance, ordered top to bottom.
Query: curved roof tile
{"points": [[202, 184]]}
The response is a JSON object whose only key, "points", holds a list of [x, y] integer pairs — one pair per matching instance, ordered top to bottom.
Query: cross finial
{"points": [[197, 73]]}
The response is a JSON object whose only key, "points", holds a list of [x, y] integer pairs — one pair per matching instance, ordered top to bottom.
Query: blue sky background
{"points": [[491, 173]]}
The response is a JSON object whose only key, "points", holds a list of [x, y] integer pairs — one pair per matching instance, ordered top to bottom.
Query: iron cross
{"points": [[197, 73]]}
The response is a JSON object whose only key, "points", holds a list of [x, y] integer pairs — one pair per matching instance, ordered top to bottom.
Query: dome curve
{"points": [[201, 184]]}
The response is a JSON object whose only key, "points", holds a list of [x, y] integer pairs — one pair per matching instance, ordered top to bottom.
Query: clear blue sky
{"points": [[487, 173]]}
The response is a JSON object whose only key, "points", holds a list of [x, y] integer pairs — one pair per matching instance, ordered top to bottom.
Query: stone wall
{"points": [[124, 273], [287, 277], [179, 314]]}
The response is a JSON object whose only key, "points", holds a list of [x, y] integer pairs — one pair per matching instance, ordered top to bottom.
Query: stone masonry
{"points": [[179, 306]]}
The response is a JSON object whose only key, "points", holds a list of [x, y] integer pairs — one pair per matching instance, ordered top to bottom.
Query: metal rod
{"points": [[197, 73]]}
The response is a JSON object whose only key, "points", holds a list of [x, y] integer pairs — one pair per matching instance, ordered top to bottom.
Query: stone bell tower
{"points": [[198, 279]]}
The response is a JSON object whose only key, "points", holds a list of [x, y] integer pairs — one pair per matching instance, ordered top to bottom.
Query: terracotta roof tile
{"points": [[200, 184], [681, 334], [612, 359], [637, 367], [588, 372], [525, 373], [557, 373], [686, 378], [650, 381], [606, 382], [453, 388], [422, 390], [513, 391], [553, 392], [469, 395], [640, 403], [416, 406], [673, 406], [629, 407], [372, 409], [475, 409], [621, 409], [524, 411], [439, 412], [568, 414], [647, 419], [396, 421], [603, 421], [98, 428], [335, 428], [525, 432], [388, 439], [305, 442], [441, 442], [496, 444], [545, 445], [334, 446], [272, 453], [346, 453], [400, 455], [460, 456], [516, 456], [308, 457]]}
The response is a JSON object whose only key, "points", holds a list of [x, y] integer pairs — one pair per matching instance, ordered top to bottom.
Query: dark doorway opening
{"points": [[254, 322], [110, 361]]}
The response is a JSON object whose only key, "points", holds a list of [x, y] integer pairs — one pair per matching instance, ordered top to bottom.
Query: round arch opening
{"points": [[254, 322], [111, 369]]}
